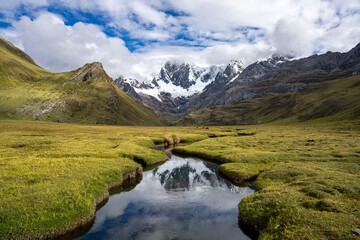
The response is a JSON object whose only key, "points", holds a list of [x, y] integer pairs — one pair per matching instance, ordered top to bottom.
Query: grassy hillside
{"points": [[86, 95], [332, 100]]}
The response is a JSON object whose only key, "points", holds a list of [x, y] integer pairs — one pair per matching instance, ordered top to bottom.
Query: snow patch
{"points": [[233, 79], [154, 92]]}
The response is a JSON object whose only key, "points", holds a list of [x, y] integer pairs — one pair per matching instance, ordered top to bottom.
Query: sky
{"points": [[134, 38]]}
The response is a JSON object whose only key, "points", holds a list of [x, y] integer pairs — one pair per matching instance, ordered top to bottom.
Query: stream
{"points": [[184, 198]]}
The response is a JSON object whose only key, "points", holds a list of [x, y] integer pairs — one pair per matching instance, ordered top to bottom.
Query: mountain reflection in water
{"points": [[187, 174], [184, 198]]}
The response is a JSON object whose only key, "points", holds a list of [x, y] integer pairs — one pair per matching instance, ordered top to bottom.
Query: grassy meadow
{"points": [[53, 175], [308, 177]]}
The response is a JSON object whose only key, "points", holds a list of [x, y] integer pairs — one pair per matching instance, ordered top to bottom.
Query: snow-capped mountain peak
{"points": [[236, 65], [233, 70], [185, 75], [180, 80], [133, 82], [177, 82]]}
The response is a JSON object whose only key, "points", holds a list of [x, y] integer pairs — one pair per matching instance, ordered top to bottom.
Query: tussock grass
{"points": [[171, 139], [240, 173], [53, 175], [307, 177], [305, 200]]}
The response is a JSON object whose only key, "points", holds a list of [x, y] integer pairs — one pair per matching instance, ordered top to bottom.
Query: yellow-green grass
{"points": [[28, 91], [332, 100], [272, 143], [241, 173], [52, 175], [308, 184], [305, 200]]}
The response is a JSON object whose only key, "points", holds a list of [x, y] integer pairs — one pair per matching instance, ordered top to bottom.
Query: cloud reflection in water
{"points": [[184, 198]]}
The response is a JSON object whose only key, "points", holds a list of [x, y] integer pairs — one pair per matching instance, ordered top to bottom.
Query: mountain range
{"points": [[225, 86], [279, 88]]}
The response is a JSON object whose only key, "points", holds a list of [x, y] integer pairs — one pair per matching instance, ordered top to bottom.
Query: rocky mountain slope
{"points": [[288, 76], [262, 79], [177, 84], [323, 86], [180, 88], [274, 89], [229, 92], [85, 95], [325, 101]]}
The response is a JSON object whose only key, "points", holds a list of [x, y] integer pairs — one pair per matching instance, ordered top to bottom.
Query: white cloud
{"points": [[13, 4], [226, 29], [296, 36], [343, 37], [59, 47]]}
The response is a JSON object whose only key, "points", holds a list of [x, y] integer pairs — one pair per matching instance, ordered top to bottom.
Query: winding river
{"points": [[184, 198]]}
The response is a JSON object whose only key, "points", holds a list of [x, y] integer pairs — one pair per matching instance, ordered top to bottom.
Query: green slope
{"points": [[85, 95], [328, 101]]}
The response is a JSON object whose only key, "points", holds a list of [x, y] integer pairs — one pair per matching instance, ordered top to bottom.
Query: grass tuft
{"points": [[53, 175], [307, 177]]}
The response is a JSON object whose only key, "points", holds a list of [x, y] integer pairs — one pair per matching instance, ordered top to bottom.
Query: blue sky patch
{"points": [[72, 16]]}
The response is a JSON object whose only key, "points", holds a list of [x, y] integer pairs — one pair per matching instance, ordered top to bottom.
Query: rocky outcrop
{"points": [[89, 72], [128, 88], [85, 95]]}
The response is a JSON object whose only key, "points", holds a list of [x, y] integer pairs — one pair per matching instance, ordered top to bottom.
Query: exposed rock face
{"points": [[260, 68], [232, 70], [89, 72], [184, 75], [279, 75], [214, 81], [232, 84], [182, 87], [128, 88], [172, 88]]}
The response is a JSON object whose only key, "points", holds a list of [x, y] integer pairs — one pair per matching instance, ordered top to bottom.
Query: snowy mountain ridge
{"points": [[180, 80], [182, 86]]}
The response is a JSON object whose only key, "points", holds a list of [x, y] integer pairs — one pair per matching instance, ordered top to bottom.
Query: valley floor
{"points": [[52, 175]]}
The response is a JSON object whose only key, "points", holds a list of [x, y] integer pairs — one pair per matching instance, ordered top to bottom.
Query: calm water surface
{"points": [[184, 198]]}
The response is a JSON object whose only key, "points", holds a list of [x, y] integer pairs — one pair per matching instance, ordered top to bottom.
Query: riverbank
{"points": [[52, 175], [306, 178], [186, 194], [84, 224]]}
